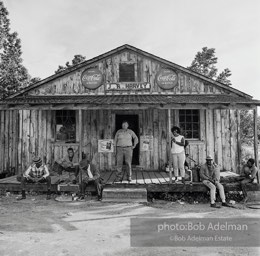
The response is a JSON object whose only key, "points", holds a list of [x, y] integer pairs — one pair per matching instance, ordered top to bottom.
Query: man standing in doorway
{"points": [[124, 149]]}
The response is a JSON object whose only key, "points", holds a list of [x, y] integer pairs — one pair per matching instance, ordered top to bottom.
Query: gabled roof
{"points": [[138, 51]]}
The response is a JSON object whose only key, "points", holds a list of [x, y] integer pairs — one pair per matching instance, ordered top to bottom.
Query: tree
{"points": [[78, 58], [205, 64], [13, 75], [223, 77], [247, 126]]}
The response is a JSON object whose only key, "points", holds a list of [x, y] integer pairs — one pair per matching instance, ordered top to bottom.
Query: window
{"points": [[126, 72], [189, 123], [66, 126]]}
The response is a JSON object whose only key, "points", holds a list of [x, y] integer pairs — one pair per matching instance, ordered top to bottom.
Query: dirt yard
{"points": [[35, 227]]}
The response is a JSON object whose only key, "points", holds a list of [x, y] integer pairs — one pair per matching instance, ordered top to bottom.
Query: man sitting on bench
{"points": [[70, 164], [36, 173], [89, 174], [210, 176], [247, 176]]}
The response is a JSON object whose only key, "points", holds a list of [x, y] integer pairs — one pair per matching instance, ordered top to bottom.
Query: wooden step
{"points": [[125, 194]]}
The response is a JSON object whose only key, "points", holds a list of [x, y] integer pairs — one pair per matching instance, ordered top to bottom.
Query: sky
{"points": [[53, 31]]}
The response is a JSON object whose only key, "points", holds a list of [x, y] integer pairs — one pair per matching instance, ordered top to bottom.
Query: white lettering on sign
{"points": [[92, 78], [167, 78], [127, 86]]}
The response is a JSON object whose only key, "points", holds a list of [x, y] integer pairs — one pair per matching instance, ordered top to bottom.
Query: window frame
{"points": [[134, 72], [74, 116], [192, 123]]}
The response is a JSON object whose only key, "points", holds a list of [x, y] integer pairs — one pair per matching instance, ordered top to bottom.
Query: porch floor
{"points": [[153, 181]]}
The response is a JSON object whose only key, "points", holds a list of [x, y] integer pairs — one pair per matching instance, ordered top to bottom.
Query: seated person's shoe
{"points": [[118, 179], [129, 179], [183, 181], [74, 182], [48, 197], [21, 198], [81, 198], [99, 198], [225, 204], [214, 205]]}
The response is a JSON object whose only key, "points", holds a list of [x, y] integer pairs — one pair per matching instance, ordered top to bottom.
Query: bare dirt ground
{"points": [[35, 227]]}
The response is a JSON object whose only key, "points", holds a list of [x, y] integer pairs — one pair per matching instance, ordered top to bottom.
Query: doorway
{"points": [[133, 121]]}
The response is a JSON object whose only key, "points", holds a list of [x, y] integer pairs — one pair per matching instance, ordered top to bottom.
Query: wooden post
{"points": [[169, 141], [256, 141], [80, 143]]}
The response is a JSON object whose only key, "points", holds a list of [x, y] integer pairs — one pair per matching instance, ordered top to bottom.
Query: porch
{"points": [[153, 181]]}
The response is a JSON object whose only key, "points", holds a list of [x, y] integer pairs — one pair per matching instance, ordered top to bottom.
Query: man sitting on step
{"points": [[69, 164], [36, 173], [88, 175], [210, 176], [247, 176]]}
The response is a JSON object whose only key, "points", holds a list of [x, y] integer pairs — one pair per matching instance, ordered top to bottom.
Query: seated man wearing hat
{"points": [[36, 173], [89, 175], [210, 176]]}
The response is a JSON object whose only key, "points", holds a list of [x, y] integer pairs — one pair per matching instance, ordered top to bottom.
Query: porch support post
{"points": [[256, 141], [80, 143], [169, 143]]}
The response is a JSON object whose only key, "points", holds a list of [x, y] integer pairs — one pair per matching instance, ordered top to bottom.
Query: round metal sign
{"points": [[91, 78], [166, 79]]}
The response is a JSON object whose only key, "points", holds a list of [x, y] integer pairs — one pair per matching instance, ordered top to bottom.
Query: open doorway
{"points": [[133, 121]]}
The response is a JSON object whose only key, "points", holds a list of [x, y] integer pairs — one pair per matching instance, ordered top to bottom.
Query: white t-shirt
{"points": [[176, 149]]}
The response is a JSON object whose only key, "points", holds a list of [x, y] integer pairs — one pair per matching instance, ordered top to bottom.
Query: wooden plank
{"points": [[49, 135], [169, 136], [217, 137], [10, 139], [2, 140], [256, 141], [233, 142], [15, 145], [239, 149], [155, 151], [6, 158], [105, 176], [139, 177], [146, 177], [112, 178], [153, 178], [162, 178]]}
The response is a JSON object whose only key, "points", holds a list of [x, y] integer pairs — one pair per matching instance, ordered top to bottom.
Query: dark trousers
{"points": [[25, 180], [96, 183], [243, 183]]}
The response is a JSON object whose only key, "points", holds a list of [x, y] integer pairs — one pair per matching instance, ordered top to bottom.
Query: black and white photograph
{"points": [[129, 127]]}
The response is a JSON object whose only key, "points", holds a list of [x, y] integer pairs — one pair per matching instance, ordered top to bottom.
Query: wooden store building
{"points": [[83, 107]]}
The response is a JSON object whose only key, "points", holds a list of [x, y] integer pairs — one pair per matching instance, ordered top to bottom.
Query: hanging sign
{"points": [[91, 78], [166, 79], [127, 86], [146, 143], [105, 146]]}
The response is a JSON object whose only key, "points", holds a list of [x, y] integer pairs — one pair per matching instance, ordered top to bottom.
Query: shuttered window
{"points": [[126, 72], [189, 120], [66, 126]]}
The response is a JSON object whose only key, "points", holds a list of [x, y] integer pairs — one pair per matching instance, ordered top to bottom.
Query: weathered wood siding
{"points": [[145, 71], [9, 133], [25, 133]]}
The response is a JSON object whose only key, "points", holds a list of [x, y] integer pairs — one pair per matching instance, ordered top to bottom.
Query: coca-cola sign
{"points": [[91, 78], [166, 79]]}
